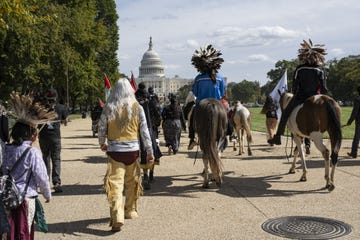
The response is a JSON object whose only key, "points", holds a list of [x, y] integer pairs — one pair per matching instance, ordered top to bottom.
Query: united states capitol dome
{"points": [[151, 64]]}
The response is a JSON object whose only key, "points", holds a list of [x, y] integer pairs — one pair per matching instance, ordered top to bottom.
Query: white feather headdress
{"points": [[312, 54], [207, 59], [29, 112]]}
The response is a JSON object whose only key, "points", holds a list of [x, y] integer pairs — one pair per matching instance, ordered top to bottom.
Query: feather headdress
{"points": [[312, 54], [207, 59], [29, 112]]}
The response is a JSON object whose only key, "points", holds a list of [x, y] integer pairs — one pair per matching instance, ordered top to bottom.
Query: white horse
{"points": [[241, 120]]}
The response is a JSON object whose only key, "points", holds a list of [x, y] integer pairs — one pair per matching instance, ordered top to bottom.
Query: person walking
{"points": [[309, 80], [208, 83], [143, 97], [270, 110], [355, 115], [173, 122], [121, 123], [50, 140], [30, 173]]}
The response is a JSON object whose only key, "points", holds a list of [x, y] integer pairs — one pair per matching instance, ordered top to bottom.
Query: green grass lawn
{"points": [[258, 122]]}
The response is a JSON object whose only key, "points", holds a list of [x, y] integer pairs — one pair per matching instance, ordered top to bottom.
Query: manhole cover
{"points": [[302, 227]]}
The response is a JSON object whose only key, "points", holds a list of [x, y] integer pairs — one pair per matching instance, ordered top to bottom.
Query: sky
{"points": [[251, 34]]}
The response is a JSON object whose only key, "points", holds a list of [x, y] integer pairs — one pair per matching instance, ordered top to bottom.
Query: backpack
{"points": [[10, 195]]}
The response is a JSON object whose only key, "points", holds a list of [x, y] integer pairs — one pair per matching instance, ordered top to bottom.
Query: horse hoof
{"points": [[234, 149], [250, 153], [291, 171], [303, 179], [205, 186], [330, 187]]}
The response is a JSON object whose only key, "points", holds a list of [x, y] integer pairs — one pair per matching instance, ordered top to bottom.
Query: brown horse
{"points": [[318, 114], [241, 120], [210, 122]]}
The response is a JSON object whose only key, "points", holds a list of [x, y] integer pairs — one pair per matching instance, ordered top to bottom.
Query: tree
{"points": [[246, 91]]}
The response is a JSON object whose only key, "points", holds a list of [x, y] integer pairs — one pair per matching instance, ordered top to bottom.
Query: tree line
{"points": [[67, 45]]}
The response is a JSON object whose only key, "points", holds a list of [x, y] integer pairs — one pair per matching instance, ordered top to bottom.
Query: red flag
{"points": [[107, 82], [132, 82]]}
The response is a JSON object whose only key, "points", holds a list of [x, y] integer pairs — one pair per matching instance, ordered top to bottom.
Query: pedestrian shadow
{"points": [[78, 136], [95, 159], [80, 189], [78, 228]]}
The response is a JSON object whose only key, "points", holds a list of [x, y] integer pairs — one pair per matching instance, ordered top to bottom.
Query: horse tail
{"points": [[245, 121], [334, 129], [248, 130], [208, 138]]}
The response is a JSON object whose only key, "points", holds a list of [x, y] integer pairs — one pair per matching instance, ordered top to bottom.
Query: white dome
{"points": [[151, 64]]}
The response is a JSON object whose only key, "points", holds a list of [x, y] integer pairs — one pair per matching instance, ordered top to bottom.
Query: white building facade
{"points": [[151, 73]]}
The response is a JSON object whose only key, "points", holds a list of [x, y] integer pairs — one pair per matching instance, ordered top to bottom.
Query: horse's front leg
{"points": [[300, 146], [293, 165], [206, 173]]}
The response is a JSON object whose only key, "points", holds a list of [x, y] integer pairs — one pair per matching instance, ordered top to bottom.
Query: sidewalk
{"points": [[255, 189]]}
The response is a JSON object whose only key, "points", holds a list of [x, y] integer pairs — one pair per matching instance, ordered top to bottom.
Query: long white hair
{"points": [[120, 102]]}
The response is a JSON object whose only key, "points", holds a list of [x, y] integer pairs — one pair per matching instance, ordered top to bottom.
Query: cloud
{"points": [[165, 17], [259, 36], [337, 52], [258, 58]]}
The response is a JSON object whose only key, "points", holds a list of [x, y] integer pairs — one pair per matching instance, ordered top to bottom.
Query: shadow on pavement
{"points": [[237, 187], [80, 189], [78, 228]]}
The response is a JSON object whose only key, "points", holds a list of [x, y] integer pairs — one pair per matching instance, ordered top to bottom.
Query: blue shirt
{"points": [[204, 87]]}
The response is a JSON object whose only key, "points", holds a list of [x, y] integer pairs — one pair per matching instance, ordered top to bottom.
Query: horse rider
{"points": [[309, 80], [208, 83]]}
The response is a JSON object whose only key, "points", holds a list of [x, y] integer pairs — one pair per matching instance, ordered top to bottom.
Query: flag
{"points": [[107, 82], [132, 82], [281, 87], [101, 103]]}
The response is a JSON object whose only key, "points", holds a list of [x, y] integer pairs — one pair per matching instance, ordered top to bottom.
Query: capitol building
{"points": [[151, 73]]}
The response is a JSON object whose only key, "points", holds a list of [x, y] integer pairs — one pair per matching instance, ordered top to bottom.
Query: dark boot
{"points": [[276, 140], [151, 175], [146, 182]]}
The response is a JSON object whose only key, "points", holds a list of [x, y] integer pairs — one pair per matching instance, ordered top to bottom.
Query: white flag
{"points": [[281, 87]]}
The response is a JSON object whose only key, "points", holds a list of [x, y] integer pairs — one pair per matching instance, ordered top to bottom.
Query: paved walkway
{"points": [[255, 189]]}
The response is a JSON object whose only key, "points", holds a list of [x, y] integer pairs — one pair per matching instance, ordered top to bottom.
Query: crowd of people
{"points": [[128, 131]]}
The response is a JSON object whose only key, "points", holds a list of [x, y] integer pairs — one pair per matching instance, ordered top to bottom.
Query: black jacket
{"points": [[309, 81]]}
